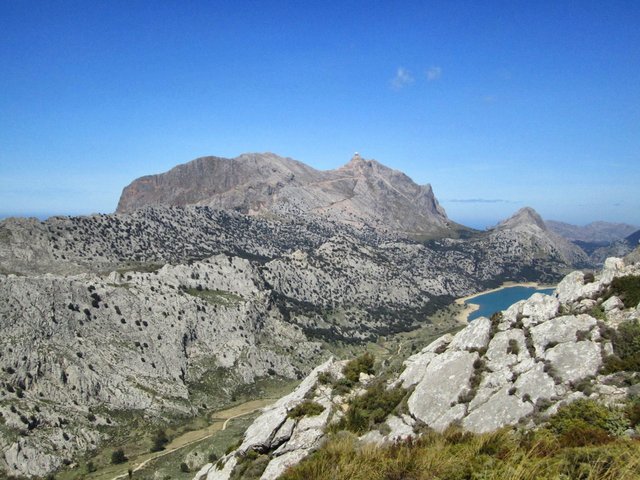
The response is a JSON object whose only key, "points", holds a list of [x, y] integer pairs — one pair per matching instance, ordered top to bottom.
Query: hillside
{"points": [[546, 362]]}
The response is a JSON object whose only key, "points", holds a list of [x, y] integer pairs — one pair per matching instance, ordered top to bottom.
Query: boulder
{"points": [[612, 303], [539, 308], [560, 330], [474, 336], [575, 361], [446, 377], [501, 409]]}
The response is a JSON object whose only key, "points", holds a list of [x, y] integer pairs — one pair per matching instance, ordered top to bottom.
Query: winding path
{"points": [[221, 421]]}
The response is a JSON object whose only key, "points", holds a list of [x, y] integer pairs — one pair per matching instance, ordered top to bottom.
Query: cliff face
{"points": [[362, 192]]}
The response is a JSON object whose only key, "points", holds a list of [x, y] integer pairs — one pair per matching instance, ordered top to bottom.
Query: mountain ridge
{"points": [[361, 192]]}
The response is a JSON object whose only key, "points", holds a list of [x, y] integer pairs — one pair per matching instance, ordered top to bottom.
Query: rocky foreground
{"points": [[518, 367]]}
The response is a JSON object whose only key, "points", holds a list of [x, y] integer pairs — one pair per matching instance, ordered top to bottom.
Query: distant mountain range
{"points": [[595, 232], [221, 272]]}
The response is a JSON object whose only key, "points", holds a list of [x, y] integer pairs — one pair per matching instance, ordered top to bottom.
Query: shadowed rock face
{"points": [[361, 192]]}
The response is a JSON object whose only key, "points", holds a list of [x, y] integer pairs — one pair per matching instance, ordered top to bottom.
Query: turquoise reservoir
{"points": [[502, 299]]}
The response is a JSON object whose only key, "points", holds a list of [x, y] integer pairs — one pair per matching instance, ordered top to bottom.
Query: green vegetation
{"points": [[142, 267], [627, 289], [215, 297], [626, 348], [361, 364], [307, 408], [370, 409], [586, 422], [159, 441], [456, 455], [118, 457], [250, 466]]}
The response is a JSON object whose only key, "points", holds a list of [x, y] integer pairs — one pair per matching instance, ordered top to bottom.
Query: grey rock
{"points": [[613, 303], [539, 308], [560, 330], [474, 336], [575, 361], [445, 379], [501, 409], [399, 430], [279, 465]]}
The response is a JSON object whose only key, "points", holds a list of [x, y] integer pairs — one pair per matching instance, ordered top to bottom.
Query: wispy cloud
{"points": [[433, 73], [402, 79], [480, 200]]}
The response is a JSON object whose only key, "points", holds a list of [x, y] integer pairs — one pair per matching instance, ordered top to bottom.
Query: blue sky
{"points": [[498, 105]]}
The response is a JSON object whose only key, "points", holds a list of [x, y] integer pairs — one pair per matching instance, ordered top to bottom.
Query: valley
{"points": [[256, 271]]}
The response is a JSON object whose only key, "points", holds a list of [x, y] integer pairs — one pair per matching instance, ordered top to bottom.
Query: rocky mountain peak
{"points": [[361, 193], [524, 216]]}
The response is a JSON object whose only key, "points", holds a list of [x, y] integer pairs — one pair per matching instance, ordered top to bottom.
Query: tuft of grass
{"points": [[362, 364], [306, 408], [370, 409], [456, 455]]}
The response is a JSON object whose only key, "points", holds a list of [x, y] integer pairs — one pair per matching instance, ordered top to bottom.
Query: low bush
{"points": [[627, 289], [626, 347], [361, 364], [306, 408], [371, 408], [584, 418], [118, 457]]}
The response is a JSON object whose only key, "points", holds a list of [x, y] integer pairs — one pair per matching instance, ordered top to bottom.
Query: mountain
{"points": [[362, 192], [527, 228], [594, 232], [618, 248], [168, 312], [164, 313], [517, 368]]}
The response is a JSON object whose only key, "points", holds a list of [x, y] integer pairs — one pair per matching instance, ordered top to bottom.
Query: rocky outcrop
{"points": [[363, 192], [77, 351], [517, 367]]}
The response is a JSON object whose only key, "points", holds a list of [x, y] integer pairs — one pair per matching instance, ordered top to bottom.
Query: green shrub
{"points": [[627, 289], [626, 346], [361, 364], [325, 378], [307, 408], [370, 408], [583, 418], [159, 441], [118, 457], [184, 468]]}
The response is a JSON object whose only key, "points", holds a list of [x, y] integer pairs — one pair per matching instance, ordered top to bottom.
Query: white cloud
{"points": [[434, 73], [402, 79]]}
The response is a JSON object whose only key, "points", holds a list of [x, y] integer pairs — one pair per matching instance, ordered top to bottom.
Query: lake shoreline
{"points": [[470, 307]]}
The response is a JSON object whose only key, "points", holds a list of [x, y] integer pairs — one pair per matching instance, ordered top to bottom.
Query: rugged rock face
{"points": [[363, 192], [76, 351], [523, 363]]}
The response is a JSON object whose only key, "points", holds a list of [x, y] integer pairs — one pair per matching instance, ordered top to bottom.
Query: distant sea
{"points": [[502, 299]]}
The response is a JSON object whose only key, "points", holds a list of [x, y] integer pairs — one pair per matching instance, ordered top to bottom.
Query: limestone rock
{"points": [[612, 304], [559, 330], [474, 336], [575, 361], [446, 377], [501, 409]]}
